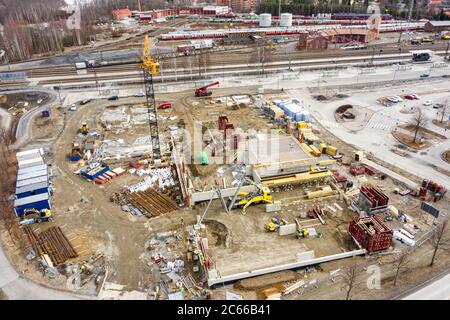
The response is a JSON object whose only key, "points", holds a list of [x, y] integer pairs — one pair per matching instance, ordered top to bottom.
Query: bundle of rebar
{"points": [[52, 242]]}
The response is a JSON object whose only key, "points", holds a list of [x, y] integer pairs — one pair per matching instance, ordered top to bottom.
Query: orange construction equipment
{"points": [[203, 91]]}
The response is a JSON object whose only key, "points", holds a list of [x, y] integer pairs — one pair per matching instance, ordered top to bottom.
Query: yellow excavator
{"points": [[84, 128], [244, 199], [37, 216]]}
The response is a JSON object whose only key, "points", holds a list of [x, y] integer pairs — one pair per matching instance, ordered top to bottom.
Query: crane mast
{"points": [[150, 67]]}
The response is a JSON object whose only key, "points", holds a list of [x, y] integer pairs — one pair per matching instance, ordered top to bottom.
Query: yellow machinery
{"points": [[446, 37], [150, 67], [302, 125], [84, 128], [323, 148], [332, 151], [315, 152], [244, 199], [38, 216], [275, 224]]}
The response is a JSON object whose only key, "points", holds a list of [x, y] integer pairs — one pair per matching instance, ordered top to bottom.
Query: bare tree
{"points": [[262, 54], [204, 61], [444, 108], [419, 120], [7, 182], [440, 241], [401, 262], [350, 277]]}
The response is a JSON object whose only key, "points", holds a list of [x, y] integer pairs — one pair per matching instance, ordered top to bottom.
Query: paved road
{"points": [[23, 126], [16, 287], [438, 290]]}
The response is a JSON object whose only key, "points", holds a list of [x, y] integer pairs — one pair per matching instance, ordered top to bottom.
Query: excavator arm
{"points": [[256, 199]]}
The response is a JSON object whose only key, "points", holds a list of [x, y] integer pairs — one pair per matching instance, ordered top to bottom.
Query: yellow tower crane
{"points": [[150, 67]]}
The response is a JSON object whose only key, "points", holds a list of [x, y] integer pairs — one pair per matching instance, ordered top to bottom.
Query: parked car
{"points": [[424, 75], [139, 94], [416, 96], [410, 97], [113, 98], [398, 98], [393, 99], [85, 101], [427, 103], [165, 105], [438, 105], [73, 107]]}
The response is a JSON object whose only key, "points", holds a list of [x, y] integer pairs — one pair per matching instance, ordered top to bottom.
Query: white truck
{"points": [[80, 65]]}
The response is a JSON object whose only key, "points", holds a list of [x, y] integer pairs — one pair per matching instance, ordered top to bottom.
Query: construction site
{"points": [[195, 174]]}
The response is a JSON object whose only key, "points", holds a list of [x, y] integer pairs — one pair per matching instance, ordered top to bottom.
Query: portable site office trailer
{"points": [[30, 154], [30, 162], [39, 167], [31, 175], [26, 182], [32, 189], [38, 202]]}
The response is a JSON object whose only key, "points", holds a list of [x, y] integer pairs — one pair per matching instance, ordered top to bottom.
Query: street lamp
{"points": [[395, 72]]}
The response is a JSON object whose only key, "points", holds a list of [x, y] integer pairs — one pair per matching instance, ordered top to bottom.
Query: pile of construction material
{"points": [[293, 110], [305, 133], [101, 174], [158, 178], [428, 185], [372, 200], [149, 203], [371, 233], [50, 245], [88, 275], [171, 278]]}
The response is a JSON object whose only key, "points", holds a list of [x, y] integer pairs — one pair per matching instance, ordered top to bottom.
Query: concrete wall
{"points": [[216, 279]]}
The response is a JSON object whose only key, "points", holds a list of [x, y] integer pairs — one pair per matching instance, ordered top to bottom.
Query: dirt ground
{"points": [[444, 124], [408, 140], [446, 156], [237, 242]]}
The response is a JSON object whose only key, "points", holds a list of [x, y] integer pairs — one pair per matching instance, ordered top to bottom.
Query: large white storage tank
{"points": [[265, 20], [286, 20]]}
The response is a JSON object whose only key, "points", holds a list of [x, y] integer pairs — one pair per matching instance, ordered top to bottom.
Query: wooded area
{"points": [[33, 27]]}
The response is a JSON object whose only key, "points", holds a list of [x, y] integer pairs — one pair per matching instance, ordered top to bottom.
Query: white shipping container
{"points": [[80, 65], [29, 154], [30, 162]]}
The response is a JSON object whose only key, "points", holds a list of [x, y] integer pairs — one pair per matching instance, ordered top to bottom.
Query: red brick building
{"points": [[121, 14], [350, 35], [310, 42]]}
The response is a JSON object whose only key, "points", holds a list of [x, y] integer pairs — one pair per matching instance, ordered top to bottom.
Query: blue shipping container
{"points": [[38, 202]]}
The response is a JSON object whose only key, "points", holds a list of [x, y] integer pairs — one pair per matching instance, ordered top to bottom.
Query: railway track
{"points": [[221, 59], [219, 71]]}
